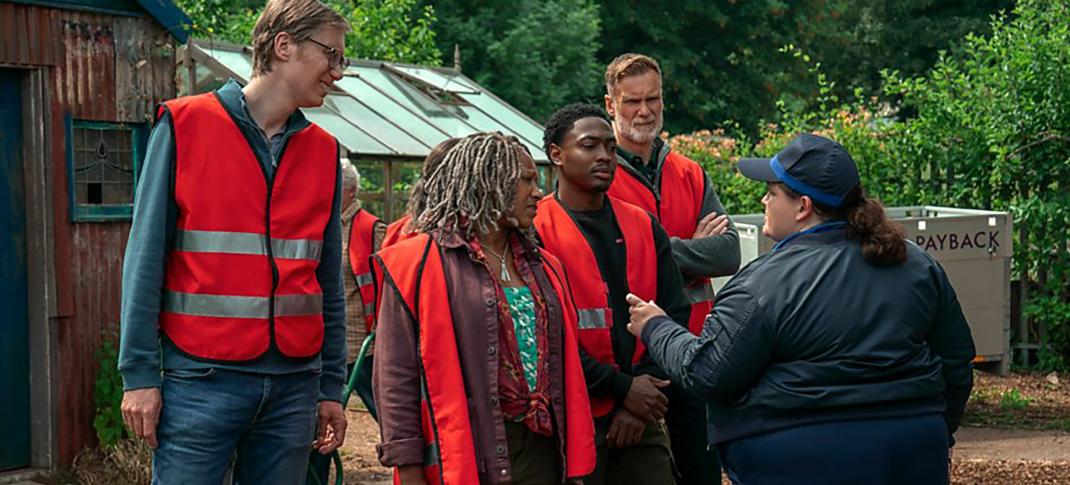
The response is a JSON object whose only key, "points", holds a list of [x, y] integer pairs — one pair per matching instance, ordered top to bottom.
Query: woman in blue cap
{"points": [[842, 356]]}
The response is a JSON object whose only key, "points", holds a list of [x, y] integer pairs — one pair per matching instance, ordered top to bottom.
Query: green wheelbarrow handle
{"points": [[351, 384]]}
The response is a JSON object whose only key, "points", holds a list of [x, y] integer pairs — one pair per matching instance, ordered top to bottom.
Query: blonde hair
{"points": [[299, 18], [630, 64]]}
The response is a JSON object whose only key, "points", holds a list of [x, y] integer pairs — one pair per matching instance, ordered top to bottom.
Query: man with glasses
{"points": [[232, 282]]}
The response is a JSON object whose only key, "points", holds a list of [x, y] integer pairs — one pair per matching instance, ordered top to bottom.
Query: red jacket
{"points": [[677, 209], [562, 237], [361, 242], [415, 268], [241, 277]]}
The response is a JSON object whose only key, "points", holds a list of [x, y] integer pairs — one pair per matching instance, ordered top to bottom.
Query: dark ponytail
{"points": [[883, 241]]}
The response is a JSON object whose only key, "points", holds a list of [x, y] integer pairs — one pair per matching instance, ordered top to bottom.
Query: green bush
{"points": [[988, 128], [108, 393]]}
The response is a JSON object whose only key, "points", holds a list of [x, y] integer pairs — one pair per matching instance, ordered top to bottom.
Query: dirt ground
{"points": [[1016, 431]]}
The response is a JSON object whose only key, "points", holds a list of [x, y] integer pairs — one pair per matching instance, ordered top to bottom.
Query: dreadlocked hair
{"points": [[473, 186], [416, 201]]}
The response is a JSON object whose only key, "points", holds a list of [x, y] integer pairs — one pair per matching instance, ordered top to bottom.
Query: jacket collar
{"points": [[233, 99], [454, 240]]}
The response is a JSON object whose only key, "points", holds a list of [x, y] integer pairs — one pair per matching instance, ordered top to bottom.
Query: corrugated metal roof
{"points": [[393, 109]]}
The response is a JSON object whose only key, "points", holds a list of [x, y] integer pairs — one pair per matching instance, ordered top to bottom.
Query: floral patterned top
{"points": [[522, 309]]}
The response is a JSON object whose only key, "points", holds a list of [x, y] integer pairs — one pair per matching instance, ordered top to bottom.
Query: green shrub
{"points": [[989, 129], [108, 393], [1013, 400]]}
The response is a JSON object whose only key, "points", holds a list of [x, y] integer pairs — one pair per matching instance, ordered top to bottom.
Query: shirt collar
{"points": [[233, 98], [633, 161]]}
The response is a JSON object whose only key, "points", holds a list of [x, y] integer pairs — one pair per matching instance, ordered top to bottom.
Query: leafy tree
{"points": [[389, 30], [537, 55], [722, 59], [989, 129]]}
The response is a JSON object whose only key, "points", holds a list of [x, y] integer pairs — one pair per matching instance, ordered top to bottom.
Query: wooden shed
{"points": [[78, 83]]}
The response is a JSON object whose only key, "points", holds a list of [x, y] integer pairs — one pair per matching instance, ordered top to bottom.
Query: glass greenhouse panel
{"points": [[387, 133]]}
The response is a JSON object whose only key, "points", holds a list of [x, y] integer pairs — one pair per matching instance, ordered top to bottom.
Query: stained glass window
{"points": [[103, 166]]}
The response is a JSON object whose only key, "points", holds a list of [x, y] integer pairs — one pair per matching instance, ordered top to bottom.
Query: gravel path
{"points": [[987, 451]]}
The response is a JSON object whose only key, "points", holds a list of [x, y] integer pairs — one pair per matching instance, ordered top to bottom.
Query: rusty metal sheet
{"points": [[28, 35], [144, 68], [85, 81], [96, 263]]}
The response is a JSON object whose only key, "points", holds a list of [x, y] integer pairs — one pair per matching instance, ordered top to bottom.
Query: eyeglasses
{"points": [[334, 58]]}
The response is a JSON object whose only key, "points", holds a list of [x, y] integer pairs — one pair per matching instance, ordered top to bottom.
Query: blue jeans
{"points": [[264, 423], [908, 450]]}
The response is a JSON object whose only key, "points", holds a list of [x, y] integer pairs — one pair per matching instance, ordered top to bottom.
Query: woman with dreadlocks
{"points": [[402, 228], [477, 371]]}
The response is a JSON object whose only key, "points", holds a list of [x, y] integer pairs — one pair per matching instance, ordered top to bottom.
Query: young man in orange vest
{"points": [[704, 241], [610, 248], [233, 269]]}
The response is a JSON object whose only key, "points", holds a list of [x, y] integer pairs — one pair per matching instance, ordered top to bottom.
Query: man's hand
{"points": [[711, 225], [640, 313], [644, 400], [141, 413], [331, 430], [625, 430], [411, 475]]}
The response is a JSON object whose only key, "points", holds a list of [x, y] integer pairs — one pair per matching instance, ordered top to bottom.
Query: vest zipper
{"points": [[269, 182], [267, 230]]}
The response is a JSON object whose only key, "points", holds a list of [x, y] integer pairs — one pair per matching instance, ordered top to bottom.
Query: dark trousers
{"points": [[910, 450], [532, 457], [696, 462], [647, 463], [321, 464]]}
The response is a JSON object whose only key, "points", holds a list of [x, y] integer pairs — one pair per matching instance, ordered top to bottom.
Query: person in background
{"points": [[680, 195], [402, 228], [362, 235], [610, 248], [232, 282], [842, 356], [477, 369]]}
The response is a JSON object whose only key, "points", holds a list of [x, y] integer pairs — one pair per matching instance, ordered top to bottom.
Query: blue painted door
{"points": [[14, 331]]}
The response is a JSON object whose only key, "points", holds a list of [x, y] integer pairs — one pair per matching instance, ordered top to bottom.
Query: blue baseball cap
{"points": [[810, 165]]}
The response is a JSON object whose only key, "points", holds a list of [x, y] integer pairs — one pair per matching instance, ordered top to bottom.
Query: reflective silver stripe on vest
{"points": [[246, 243], [296, 248], [364, 279], [296, 305], [227, 306], [369, 309], [592, 318]]}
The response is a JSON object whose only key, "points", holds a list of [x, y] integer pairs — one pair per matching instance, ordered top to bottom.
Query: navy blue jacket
{"points": [[812, 332]]}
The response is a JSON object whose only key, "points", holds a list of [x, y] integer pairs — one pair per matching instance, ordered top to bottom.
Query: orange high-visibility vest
{"points": [[676, 203], [398, 231], [562, 237], [361, 240], [415, 267], [241, 276]]}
